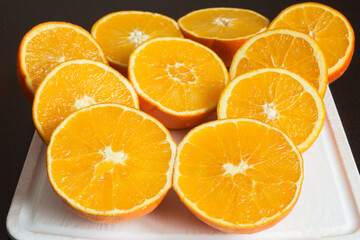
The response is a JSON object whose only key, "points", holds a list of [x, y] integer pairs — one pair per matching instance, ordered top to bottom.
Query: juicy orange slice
{"points": [[328, 27], [223, 30], [121, 32], [47, 45], [286, 49], [178, 80], [74, 85], [279, 98], [111, 163], [238, 175]]}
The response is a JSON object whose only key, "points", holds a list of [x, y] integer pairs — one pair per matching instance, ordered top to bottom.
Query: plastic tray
{"points": [[328, 206]]}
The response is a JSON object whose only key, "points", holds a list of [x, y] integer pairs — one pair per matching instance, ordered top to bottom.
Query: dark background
{"points": [[18, 17]]}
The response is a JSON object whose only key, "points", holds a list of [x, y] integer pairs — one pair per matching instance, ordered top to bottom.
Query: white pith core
{"points": [[222, 21], [311, 33], [138, 37], [62, 59], [179, 72], [85, 101], [270, 111], [115, 157], [231, 169]]}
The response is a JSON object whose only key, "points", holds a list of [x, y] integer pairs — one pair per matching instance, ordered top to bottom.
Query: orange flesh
{"points": [[223, 23], [332, 31], [121, 33], [55, 45], [284, 51], [179, 75], [75, 86], [276, 99], [109, 158], [240, 172]]}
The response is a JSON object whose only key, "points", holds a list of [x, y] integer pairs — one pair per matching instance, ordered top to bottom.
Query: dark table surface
{"points": [[18, 17]]}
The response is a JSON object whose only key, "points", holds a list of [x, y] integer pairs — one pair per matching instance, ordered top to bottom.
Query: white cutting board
{"points": [[328, 207]]}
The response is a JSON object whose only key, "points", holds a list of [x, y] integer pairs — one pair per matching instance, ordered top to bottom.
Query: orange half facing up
{"points": [[328, 27], [223, 30], [119, 33], [48, 44], [283, 48], [179, 81], [74, 85], [279, 98], [111, 163], [238, 175]]}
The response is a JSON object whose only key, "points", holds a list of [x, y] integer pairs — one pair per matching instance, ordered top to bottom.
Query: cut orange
{"points": [[328, 27], [223, 30], [121, 32], [47, 45], [283, 48], [179, 81], [74, 85], [277, 97], [111, 163], [238, 175]]}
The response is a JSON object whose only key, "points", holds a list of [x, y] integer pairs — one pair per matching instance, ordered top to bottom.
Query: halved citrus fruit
{"points": [[328, 27], [223, 30], [119, 33], [47, 45], [283, 48], [179, 81], [76, 84], [279, 98], [111, 163], [238, 175]]}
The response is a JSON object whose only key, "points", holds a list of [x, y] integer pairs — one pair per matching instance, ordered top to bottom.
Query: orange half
{"points": [[328, 27], [223, 30], [119, 33], [48, 44], [283, 48], [179, 81], [74, 85], [279, 98], [111, 163], [238, 175]]}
